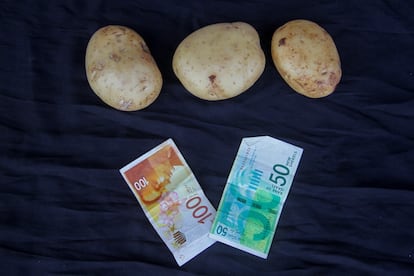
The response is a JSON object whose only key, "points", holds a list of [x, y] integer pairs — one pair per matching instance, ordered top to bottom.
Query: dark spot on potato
{"points": [[282, 41], [114, 57], [99, 66], [95, 70], [333, 79], [298, 83], [320, 83], [215, 91]]}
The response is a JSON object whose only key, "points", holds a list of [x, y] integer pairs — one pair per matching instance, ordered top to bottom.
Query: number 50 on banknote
{"points": [[254, 195], [172, 200]]}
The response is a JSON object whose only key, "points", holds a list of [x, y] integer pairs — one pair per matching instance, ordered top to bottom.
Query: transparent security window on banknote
{"points": [[254, 195], [172, 200]]}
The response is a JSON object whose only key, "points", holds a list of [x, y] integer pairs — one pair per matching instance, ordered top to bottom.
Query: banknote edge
{"points": [[255, 139], [148, 153], [200, 244], [238, 246]]}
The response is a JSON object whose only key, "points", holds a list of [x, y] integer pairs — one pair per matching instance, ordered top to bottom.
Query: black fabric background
{"points": [[66, 210]]}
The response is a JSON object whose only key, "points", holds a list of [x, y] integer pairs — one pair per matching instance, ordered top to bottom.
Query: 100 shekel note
{"points": [[255, 192], [172, 200]]}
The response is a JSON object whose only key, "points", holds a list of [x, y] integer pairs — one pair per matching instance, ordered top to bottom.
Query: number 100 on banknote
{"points": [[254, 195], [172, 200]]}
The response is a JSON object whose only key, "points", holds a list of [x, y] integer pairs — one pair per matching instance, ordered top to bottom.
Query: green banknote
{"points": [[254, 195]]}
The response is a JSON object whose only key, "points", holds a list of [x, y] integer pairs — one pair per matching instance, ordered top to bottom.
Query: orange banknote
{"points": [[172, 200]]}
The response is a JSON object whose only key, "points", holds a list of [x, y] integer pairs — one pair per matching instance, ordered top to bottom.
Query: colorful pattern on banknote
{"points": [[253, 198], [172, 200]]}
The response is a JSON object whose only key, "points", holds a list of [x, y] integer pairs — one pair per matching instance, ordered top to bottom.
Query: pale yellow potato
{"points": [[306, 57], [219, 61], [121, 70]]}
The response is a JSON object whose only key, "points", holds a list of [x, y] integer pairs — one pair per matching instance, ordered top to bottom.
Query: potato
{"points": [[306, 57], [219, 61], [121, 70]]}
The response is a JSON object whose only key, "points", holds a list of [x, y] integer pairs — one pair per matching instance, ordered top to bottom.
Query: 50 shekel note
{"points": [[255, 192], [172, 200]]}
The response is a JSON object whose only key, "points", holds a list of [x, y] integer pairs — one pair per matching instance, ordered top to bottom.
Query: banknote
{"points": [[254, 195], [172, 200]]}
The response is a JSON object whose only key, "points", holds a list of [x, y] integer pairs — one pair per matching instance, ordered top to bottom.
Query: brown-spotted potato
{"points": [[306, 57], [219, 61], [120, 68]]}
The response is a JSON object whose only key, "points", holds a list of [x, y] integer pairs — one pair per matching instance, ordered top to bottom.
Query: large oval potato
{"points": [[306, 57], [219, 61], [121, 70]]}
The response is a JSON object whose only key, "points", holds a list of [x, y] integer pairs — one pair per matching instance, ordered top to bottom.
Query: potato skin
{"points": [[306, 57], [219, 61], [120, 68]]}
